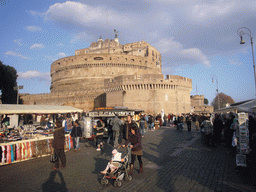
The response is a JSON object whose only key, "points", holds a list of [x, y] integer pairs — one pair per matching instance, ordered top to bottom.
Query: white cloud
{"points": [[210, 10], [36, 13], [80, 14], [33, 28], [81, 37], [18, 41], [60, 44], [37, 46], [12, 53], [176, 53], [61, 54], [55, 57], [34, 75]]}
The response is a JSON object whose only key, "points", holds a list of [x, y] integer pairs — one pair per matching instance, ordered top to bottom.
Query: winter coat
{"points": [[116, 123], [76, 132], [58, 138], [135, 140]]}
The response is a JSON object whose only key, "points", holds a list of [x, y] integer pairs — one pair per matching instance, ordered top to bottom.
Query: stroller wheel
{"points": [[128, 178], [104, 181], [117, 183]]}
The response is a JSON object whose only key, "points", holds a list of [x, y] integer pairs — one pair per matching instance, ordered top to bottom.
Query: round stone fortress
{"points": [[88, 68], [109, 74]]}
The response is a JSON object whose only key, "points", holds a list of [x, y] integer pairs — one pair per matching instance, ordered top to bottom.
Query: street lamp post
{"points": [[240, 32], [17, 89], [217, 92]]}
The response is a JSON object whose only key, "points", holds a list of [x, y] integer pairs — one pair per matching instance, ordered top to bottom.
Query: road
{"points": [[173, 161]]}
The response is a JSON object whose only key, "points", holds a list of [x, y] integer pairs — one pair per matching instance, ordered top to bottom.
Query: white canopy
{"points": [[248, 106], [36, 109]]}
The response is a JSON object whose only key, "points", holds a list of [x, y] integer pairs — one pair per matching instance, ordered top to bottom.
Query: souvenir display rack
{"points": [[242, 135]]}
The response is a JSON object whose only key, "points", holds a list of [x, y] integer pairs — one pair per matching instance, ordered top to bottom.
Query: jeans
{"points": [[151, 126], [142, 131], [110, 135], [116, 136], [76, 142]]}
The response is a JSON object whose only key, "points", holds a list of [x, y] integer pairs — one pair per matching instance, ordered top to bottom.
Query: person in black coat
{"points": [[217, 129], [76, 133], [58, 144], [136, 148]]}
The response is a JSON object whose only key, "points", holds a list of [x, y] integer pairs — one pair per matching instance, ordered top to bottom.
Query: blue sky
{"points": [[197, 39]]}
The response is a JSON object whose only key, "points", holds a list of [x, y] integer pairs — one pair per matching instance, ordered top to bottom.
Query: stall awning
{"points": [[36, 109]]}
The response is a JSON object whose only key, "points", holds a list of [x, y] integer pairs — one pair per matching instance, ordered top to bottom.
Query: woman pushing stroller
{"points": [[136, 148]]}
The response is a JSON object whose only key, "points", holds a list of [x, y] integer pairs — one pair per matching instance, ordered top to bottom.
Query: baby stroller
{"points": [[118, 174]]}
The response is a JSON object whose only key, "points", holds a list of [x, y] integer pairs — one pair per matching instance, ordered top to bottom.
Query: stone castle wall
{"points": [[150, 92]]}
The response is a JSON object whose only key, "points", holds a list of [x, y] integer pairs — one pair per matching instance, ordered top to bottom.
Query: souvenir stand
{"points": [[108, 113], [242, 139], [30, 141]]}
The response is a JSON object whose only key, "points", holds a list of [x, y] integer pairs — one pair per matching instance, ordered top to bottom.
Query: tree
{"points": [[8, 80], [223, 99], [206, 101]]}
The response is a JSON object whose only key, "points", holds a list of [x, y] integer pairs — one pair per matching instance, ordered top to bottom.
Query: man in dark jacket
{"points": [[129, 124], [76, 133], [58, 144]]}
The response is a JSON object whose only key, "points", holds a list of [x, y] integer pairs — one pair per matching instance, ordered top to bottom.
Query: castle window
{"points": [[139, 50], [98, 58], [109, 58], [85, 59], [125, 59], [132, 59], [59, 63]]}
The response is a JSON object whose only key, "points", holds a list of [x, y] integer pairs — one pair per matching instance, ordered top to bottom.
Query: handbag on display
{"points": [[53, 158]]}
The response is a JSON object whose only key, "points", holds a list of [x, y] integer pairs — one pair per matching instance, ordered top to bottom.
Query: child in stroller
{"points": [[114, 162], [118, 170]]}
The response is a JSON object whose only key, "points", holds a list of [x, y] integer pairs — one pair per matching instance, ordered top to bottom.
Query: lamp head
{"points": [[242, 41]]}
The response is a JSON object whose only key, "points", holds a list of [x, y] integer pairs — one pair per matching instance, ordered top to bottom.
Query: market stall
{"points": [[107, 113], [23, 142]]}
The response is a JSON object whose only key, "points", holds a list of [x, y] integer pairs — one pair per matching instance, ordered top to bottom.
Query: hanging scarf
{"points": [[3, 154], [12, 157]]}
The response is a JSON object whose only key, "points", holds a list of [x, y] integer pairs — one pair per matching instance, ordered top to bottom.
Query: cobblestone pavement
{"points": [[173, 161]]}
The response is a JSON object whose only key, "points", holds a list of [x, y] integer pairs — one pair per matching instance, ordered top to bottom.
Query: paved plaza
{"points": [[173, 161]]}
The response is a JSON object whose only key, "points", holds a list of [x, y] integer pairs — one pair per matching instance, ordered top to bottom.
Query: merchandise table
{"points": [[22, 150]]}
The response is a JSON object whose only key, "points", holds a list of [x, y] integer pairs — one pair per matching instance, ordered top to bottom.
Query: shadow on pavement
{"points": [[52, 185]]}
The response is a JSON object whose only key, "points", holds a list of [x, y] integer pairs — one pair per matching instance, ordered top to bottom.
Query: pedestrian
{"points": [[188, 121], [197, 122], [151, 123], [116, 124], [129, 124], [142, 125], [217, 129], [110, 131], [76, 133], [99, 134], [58, 144], [136, 148]]}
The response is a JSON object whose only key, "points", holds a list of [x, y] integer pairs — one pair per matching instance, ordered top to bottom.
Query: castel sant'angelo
{"points": [[108, 74]]}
